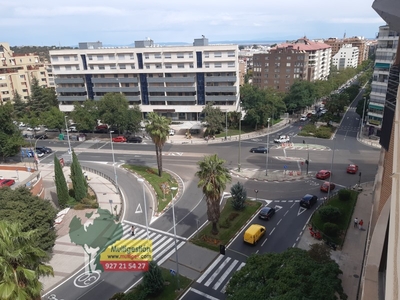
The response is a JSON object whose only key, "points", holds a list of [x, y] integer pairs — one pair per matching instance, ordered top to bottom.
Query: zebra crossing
{"points": [[163, 242], [218, 274]]}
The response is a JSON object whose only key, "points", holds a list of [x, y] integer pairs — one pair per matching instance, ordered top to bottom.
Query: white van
{"points": [[171, 132]]}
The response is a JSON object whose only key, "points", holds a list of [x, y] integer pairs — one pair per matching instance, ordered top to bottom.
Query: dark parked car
{"points": [[41, 136], [134, 139], [44, 149], [261, 149], [308, 200], [266, 213]]}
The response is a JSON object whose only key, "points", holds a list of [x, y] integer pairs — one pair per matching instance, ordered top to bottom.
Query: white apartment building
{"points": [[347, 57], [384, 58], [17, 72], [175, 81]]}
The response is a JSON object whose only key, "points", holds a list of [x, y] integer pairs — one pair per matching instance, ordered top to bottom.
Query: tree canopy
{"points": [[112, 110], [32, 212], [293, 274]]}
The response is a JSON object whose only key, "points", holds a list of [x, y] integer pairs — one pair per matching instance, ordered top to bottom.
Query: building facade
{"points": [[360, 42], [347, 57], [384, 58], [283, 64], [17, 72], [174, 81]]}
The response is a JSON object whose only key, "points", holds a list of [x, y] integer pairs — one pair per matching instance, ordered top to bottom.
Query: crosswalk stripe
{"points": [[223, 277], [201, 278], [211, 279], [226, 284]]}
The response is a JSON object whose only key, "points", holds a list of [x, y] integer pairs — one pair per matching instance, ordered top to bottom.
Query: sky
{"points": [[121, 22]]}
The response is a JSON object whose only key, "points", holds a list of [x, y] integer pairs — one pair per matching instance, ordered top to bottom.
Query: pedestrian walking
{"points": [[355, 222], [360, 224], [133, 230]]}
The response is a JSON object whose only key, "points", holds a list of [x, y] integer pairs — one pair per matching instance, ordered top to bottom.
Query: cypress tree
{"points": [[78, 179], [61, 184], [153, 280]]}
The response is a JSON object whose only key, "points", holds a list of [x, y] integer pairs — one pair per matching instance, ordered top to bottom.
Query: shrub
{"points": [[323, 132], [344, 195], [239, 196], [329, 214], [331, 229], [153, 281]]}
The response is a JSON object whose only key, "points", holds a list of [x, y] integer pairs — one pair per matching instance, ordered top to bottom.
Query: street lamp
{"points": [[362, 119], [226, 125], [240, 133], [69, 142], [112, 151], [308, 156], [266, 159], [330, 177], [141, 180], [256, 191], [176, 246]]}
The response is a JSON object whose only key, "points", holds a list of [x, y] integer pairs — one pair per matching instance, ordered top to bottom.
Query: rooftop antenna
{"points": [[344, 36]]}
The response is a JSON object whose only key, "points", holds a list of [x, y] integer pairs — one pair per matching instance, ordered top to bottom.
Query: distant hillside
{"points": [[42, 51]]}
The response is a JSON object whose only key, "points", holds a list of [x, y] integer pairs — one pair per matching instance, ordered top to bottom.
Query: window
{"points": [[206, 54], [217, 54], [231, 54], [157, 55], [167, 55], [180, 55], [191, 55], [110, 56], [121, 56], [131, 56], [146, 56], [90, 57], [99, 57], [54, 58], [66, 58], [278, 58], [288, 58], [231, 64], [266, 64], [287, 64], [206, 65], [217, 65], [277, 65], [132, 66], [147, 66], [158, 66], [168, 66], [181, 66], [191, 66], [101, 67], [122, 67], [56, 68], [68, 68], [276, 75], [22, 76]]}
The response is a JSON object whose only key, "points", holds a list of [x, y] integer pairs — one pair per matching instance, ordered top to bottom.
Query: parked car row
{"points": [[129, 139], [6, 182]]}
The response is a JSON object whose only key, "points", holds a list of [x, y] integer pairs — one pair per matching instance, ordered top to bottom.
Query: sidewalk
{"points": [[363, 138], [272, 175], [350, 257], [67, 258]]}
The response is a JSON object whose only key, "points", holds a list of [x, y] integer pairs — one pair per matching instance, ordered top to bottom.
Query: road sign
{"points": [[285, 167], [138, 209], [172, 271]]}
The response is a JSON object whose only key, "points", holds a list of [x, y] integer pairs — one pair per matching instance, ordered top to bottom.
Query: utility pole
{"points": [[362, 119], [240, 133], [308, 156], [266, 159]]}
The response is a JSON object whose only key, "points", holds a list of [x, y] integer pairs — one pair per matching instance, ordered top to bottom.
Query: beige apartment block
{"points": [[360, 42], [17, 72]]}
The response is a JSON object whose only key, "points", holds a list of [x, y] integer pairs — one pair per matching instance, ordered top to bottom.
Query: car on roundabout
{"points": [[119, 139], [282, 139], [260, 149], [352, 169], [323, 174], [327, 186], [308, 200], [266, 213]]}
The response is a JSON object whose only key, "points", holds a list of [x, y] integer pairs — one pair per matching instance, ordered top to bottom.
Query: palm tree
{"points": [[158, 128], [213, 179], [20, 263]]}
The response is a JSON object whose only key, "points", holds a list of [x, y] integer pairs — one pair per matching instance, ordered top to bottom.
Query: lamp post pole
{"points": [[362, 119], [226, 125], [240, 133], [69, 142], [113, 156], [308, 156], [266, 159], [330, 177], [141, 180], [256, 191], [176, 246]]}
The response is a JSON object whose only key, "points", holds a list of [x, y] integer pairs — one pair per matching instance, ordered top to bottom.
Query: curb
{"points": [[266, 180]]}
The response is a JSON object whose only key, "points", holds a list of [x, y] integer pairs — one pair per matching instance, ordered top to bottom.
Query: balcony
{"points": [[170, 79], [220, 79], [68, 80], [106, 89], [172, 89], [221, 89], [71, 90], [71, 98], [172, 98], [220, 98]]}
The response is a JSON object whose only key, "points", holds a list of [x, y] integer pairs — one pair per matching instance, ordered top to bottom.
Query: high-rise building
{"points": [[360, 42], [347, 57], [384, 58], [280, 66], [17, 72], [175, 81]]}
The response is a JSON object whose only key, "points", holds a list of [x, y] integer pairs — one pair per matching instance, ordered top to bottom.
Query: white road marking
{"points": [[301, 210], [286, 213], [278, 222], [272, 231], [262, 245], [227, 272], [201, 278], [202, 294]]}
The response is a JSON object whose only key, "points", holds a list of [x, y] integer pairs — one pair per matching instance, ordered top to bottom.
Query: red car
{"points": [[119, 139], [352, 169], [323, 174], [6, 182], [325, 186]]}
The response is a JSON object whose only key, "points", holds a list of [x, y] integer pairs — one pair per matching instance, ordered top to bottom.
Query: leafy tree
{"points": [[301, 95], [49, 97], [37, 103], [19, 106], [360, 107], [112, 110], [85, 114], [53, 118], [134, 118], [214, 118], [158, 127], [10, 138], [213, 177], [78, 179], [61, 184], [239, 196], [31, 212], [329, 213], [331, 229], [320, 253], [21, 262], [292, 274], [153, 280]]}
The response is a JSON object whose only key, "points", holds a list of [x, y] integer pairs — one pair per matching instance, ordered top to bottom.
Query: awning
{"points": [[376, 107]]}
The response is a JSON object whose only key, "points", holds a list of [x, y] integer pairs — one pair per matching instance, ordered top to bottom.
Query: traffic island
{"points": [[270, 175]]}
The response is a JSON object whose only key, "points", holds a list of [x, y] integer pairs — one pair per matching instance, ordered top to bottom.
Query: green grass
{"points": [[244, 130], [151, 176], [346, 210], [228, 229], [170, 291]]}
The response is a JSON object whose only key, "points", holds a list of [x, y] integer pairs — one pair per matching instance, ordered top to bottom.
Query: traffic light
{"points": [[306, 161], [222, 249]]}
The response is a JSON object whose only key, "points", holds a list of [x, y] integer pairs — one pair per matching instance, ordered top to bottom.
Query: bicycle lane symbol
{"points": [[86, 279]]}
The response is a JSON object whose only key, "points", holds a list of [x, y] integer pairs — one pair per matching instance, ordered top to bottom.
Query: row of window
{"points": [[299, 57]]}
